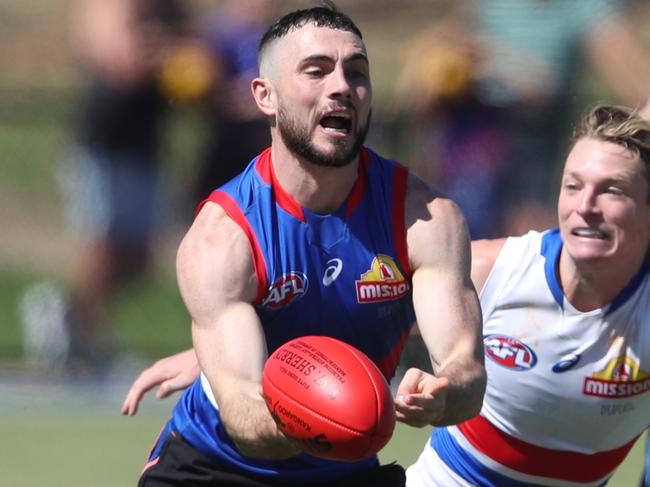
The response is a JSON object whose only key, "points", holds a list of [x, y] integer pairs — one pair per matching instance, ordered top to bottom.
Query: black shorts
{"points": [[180, 465]]}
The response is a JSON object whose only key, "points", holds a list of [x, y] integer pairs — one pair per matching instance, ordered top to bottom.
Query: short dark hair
{"points": [[324, 15]]}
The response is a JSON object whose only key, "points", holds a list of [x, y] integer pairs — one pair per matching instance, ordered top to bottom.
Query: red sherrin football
{"points": [[330, 396]]}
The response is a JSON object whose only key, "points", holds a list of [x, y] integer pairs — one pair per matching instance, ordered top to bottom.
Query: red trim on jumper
{"points": [[264, 166], [400, 184], [359, 188], [200, 206], [233, 211], [388, 364], [530, 459], [154, 461], [150, 464]]}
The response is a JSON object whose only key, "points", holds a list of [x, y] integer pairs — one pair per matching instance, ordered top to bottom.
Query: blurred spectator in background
{"points": [[491, 88], [238, 130], [110, 178]]}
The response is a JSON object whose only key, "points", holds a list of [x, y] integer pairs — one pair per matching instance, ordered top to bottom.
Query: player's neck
{"points": [[320, 189], [593, 285]]}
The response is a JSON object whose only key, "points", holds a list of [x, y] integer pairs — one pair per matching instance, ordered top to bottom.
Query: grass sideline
{"points": [[106, 450]]}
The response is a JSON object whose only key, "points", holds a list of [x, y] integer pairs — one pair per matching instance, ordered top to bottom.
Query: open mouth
{"points": [[337, 123], [589, 233]]}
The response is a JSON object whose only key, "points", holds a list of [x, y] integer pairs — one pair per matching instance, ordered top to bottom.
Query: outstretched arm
{"points": [[447, 312]]}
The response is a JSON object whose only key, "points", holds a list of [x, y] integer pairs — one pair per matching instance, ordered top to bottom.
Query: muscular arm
{"points": [[217, 283], [448, 314]]}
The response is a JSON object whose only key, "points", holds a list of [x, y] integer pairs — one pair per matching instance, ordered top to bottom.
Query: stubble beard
{"points": [[296, 138]]}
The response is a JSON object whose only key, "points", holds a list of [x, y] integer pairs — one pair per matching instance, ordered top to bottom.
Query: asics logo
{"points": [[332, 271], [566, 363]]}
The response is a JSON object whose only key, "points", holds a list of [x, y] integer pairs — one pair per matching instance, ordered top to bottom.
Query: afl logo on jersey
{"points": [[286, 290], [509, 352]]}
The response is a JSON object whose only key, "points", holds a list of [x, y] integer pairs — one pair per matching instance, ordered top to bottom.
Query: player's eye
{"points": [[357, 73], [570, 186], [614, 190]]}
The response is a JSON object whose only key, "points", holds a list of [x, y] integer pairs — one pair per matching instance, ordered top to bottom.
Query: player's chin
{"points": [[338, 155], [592, 253]]}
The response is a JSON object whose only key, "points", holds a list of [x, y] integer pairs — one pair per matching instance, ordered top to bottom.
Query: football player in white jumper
{"points": [[566, 332]]}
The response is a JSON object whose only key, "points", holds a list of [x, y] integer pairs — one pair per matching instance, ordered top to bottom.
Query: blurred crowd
{"points": [[139, 59], [488, 91], [482, 99]]}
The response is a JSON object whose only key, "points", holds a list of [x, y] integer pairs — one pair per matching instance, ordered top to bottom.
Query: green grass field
{"points": [[103, 449], [67, 451]]}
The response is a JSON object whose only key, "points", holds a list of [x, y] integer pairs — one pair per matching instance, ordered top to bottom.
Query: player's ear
{"points": [[264, 95]]}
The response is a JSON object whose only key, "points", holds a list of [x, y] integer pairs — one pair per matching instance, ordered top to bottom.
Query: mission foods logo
{"points": [[383, 282], [286, 290], [509, 352], [620, 378]]}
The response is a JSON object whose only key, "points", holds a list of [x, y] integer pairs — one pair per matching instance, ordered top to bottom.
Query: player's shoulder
{"points": [[423, 200], [212, 224], [436, 229], [212, 236], [513, 248], [487, 249], [484, 256], [506, 256], [214, 260], [214, 265]]}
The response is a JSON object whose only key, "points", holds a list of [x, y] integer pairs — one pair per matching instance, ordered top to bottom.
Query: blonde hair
{"points": [[619, 125]]}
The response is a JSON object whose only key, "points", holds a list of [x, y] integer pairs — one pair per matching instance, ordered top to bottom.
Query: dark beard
{"points": [[297, 140]]}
